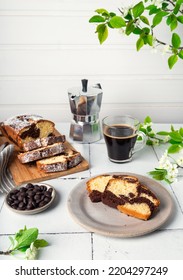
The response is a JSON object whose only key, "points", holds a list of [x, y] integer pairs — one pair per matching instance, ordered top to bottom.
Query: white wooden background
{"points": [[47, 46]]}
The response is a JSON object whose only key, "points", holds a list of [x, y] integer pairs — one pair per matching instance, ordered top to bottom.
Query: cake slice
{"points": [[25, 128], [42, 142], [41, 153], [69, 159], [96, 186], [130, 197]]}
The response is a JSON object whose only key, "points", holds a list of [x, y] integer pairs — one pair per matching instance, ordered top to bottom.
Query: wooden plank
{"points": [[64, 62], [48, 91], [24, 173]]}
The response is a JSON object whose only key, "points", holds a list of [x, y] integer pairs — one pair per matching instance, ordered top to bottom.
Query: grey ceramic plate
{"points": [[37, 210], [101, 219]]}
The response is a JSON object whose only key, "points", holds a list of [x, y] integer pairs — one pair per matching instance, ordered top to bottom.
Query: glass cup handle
{"points": [[140, 144]]}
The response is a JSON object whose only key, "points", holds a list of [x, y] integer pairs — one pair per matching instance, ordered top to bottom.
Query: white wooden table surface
{"points": [[69, 241]]}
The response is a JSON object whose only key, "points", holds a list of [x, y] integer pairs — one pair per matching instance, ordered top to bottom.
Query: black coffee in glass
{"points": [[120, 134], [120, 140]]}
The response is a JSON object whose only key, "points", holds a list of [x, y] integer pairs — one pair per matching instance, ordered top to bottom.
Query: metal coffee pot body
{"points": [[85, 103]]}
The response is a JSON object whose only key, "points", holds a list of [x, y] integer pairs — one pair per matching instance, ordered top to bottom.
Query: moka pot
{"points": [[85, 103]]}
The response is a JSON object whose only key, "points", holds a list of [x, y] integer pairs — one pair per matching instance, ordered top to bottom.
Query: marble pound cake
{"points": [[25, 128], [42, 142], [39, 143], [44, 152], [65, 161], [96, 187], [125, 193], [130, 197]]}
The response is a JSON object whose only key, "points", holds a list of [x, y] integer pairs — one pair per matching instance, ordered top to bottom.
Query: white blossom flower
{"points": [[157, 3], [125, 11], [137, 22], [122, 31], [154, 45], [154, 49], [165, 49], [145, 126], [152, 131], [166, 139], [155, 142], [164, 158], [180, 161], [165, 164], [171, 168], [174, 170], [172, 173], [171, 178], [31, 253]]}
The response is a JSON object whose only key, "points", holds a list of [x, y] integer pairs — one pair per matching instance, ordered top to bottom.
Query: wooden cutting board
{"points": [[24, 173]]}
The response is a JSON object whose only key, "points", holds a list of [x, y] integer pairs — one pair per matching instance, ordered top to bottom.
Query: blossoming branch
{"points": [[141, 20], [171, 161]]}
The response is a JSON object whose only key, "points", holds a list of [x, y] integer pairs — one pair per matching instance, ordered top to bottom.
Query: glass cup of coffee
{"points": [[120, 134]]}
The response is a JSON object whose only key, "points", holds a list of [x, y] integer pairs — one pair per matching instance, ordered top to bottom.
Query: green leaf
{"points": [[180, 2], [164, 5], [177, 7], [138, 9], [152, 9], [101, 11], [112, 14], [128, 16], [158, 17], [97, 19], [169, 19], [180, 19], [144, 20], [172, 21], [117, 22], [109, 25], [173, 25], [130, 27], [146, 30], [102, 31], [137, 31], [150, 39], [176, 41], [139, 44], [180, 54], [172, 60], [147, 120], [172, 128], [149, 129], [143, 130], [181, 131], [163, 133], [152, 134], [175, 135], [139, 138], [171, 141], [149, 142], [174, 149], [159, 171], [158, 174], [19, 233], [26, 238], [12, 241], [40, 243], [23, 249]]}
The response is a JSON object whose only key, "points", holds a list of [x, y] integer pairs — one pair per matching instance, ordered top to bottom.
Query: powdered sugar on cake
{"points": [[20, 122]]}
